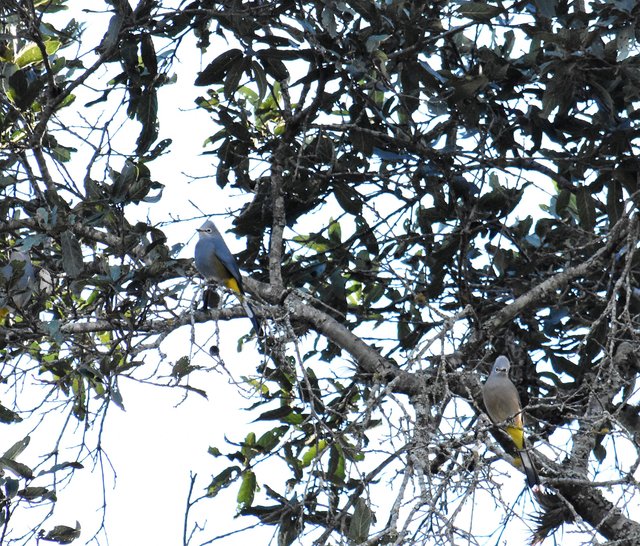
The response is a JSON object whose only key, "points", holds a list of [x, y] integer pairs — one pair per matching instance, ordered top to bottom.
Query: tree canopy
{"points": [[420, 187]]}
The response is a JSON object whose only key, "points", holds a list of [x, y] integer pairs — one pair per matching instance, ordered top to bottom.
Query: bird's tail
{"points": [[233, 285], [250, 313], [252, 317], [517, 435], [529, 469]]}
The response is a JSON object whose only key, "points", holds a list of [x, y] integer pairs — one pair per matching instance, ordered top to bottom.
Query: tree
{"points": [[428, 185]]}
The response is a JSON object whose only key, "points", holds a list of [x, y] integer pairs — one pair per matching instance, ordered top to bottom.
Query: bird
{"points": [[215, 262], [502, 403]]}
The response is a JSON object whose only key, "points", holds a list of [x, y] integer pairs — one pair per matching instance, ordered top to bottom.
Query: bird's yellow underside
{"points": [[232, 284], [517, 435]]}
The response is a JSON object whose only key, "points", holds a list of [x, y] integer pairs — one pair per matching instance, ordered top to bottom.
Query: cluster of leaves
{"points": [[447, 115], [392, 151], [98, 276]]}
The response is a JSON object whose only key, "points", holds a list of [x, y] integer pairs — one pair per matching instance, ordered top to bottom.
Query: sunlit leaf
{"points": [[32, 54], [247, 490]]}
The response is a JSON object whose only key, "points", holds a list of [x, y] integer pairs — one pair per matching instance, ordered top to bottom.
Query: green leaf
{"points": [[50, 6], [479, 11], [31, 54], [335, 233], [295, 418], [271, 438], [248, 447], [214, 451], [315, 451], [336, 465], [222, 480], [247, 490], [360, 522]]}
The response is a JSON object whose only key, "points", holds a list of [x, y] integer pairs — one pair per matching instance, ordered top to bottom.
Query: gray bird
{"points": [[215, 262], [502, 402]]}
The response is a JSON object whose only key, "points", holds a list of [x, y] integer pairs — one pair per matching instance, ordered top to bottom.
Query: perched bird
{"points": [[215, 262], [502, 402]]}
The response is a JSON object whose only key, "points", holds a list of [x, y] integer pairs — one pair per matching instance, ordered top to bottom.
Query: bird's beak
{"points": [[199, 230]]}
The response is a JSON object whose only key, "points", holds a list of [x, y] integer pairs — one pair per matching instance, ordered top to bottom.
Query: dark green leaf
{"points": [[546, 8], [479, 11], [148, 54], [275, 67], [217, 70], [260, 80], [232, 81], [147, 115], [123, 180], [348, 198], [562, 201], [615, 201], [586, 208], [335, 232], [72, 261], [276, 414], [8, 416], [271, 438], [16, 449], [600, 453], [336, 465], [61, 466], [17, 468], [222, 480], [11, 487], [34, 493], [360, 522], [290, 528], [61, 534]]}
